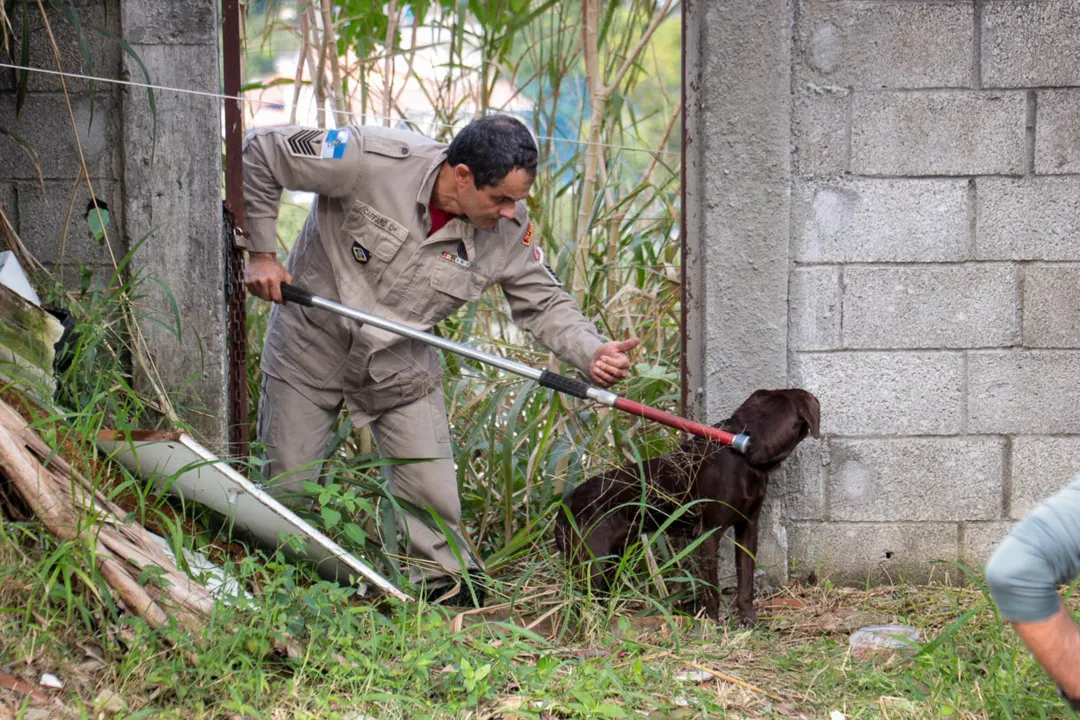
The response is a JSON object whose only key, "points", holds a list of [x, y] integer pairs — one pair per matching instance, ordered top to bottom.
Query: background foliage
{"points": [[605, 202]]}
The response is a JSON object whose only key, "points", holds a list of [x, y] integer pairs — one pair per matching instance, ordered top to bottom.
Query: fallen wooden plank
{"points": [[178, 464]]}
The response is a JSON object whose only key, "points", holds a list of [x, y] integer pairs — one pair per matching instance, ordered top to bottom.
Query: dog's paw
{"points": [[747, 618]]}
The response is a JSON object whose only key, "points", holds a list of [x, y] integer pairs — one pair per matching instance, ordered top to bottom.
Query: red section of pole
{"points": [[234, 203], [679, 423]]}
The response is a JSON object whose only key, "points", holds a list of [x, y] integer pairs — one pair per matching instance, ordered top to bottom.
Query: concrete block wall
{"points": [[161, 181], [930, 193], [49, 209], [934, 264]]}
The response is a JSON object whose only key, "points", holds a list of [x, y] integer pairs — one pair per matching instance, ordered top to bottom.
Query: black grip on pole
{"points": [[294, 294], [563, 384]]}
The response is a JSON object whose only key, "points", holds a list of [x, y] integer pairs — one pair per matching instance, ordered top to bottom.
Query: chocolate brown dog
{"points": [[720, 488]]}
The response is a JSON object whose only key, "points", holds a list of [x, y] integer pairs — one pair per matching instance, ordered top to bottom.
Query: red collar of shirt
{"points": [[439, 218]]}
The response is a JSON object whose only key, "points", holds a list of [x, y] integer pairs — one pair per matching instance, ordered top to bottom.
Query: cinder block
{"points": [[170, 23], [886, 44], [1030, 44], [104, 51], [45, 126], [820, 130], [946, 132], [1057, 132], [9, 204], [1028, 219], [43, 220], [881, 220], [71, 276], [949, 306], [1052, 306], [814, 307], [1023, 391], [884, 393], [1041, 466], [891, 479], [801, 482], [979, 540], [856, 553]]}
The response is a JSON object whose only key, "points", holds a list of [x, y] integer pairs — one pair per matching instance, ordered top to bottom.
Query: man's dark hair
{"points": [[493, 146]]}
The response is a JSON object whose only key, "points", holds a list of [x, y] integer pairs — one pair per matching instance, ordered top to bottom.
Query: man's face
{"points": [[485, 206]]}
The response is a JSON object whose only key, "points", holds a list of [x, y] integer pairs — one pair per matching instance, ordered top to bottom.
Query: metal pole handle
{"points": [[554, 381]]}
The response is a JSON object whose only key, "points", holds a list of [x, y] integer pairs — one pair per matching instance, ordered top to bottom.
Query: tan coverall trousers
{"points": [[296, 432]]}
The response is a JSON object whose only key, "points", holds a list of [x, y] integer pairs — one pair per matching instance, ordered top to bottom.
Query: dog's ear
{"points": [[810, 412]]}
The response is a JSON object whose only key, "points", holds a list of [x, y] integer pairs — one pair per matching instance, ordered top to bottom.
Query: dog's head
{"points": [[776, 421]]}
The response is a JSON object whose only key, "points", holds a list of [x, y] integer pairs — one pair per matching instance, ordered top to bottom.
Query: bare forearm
{"points": [[1055, 643]]}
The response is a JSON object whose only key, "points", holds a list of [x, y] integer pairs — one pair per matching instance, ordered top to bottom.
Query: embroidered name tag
{"points": [[381, 221], [456, 259]]}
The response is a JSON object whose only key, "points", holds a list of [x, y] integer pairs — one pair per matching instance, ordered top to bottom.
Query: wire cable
{"points": [[328, 111]]}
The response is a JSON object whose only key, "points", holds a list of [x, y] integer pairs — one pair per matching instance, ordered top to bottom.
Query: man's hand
{"points": [[263, 276], [610, 363]]}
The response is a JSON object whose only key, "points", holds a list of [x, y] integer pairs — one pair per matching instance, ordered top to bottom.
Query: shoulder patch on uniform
{"points": [[302, 142], [334, 143], [324, 144], [526, 239], [538, 255]]}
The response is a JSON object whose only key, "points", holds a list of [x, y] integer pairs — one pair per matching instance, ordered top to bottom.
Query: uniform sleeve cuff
{"points": [[262, 235], [588, 349]]}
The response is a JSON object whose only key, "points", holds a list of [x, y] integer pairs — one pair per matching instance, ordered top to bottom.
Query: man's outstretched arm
{"points": [[1038, 556], [1055, 643]]}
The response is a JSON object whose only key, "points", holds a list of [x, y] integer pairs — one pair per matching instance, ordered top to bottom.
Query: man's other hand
{"points": [[263, 276], [611, 363]]}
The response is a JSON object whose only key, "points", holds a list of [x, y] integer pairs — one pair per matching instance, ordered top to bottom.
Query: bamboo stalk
{"points": [[388, 63], [298, 79], [338, 85]]}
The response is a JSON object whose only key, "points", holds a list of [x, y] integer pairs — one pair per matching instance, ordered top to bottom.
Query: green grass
{"points": [[402, 660]]}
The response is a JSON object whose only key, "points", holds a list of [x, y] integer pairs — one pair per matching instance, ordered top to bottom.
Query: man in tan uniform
{"points": [[410, 230]]}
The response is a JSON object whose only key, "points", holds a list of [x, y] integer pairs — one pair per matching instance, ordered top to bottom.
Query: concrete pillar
{"points": [[738, 180], [172, 197]]}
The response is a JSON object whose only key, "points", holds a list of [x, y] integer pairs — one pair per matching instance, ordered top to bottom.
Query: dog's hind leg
{"points": [[746, 539], [605, 543], [709, 550]]}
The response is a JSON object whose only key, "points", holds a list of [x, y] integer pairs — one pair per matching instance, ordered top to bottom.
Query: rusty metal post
{"points": [[234, 205], [683, 409]]}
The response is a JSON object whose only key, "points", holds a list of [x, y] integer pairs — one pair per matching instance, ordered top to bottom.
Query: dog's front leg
{"points": [[746, 538], [709, 549]]}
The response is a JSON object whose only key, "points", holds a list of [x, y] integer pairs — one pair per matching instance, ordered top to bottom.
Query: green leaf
{"points": [[98, 220], [330, 517], [355, 533]]}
